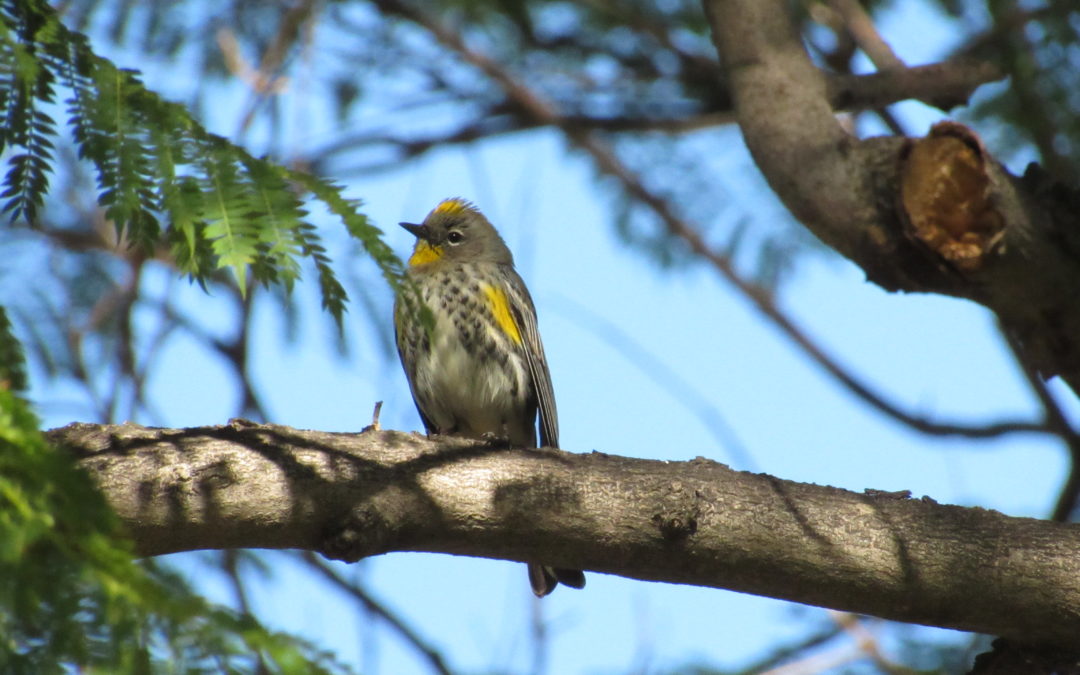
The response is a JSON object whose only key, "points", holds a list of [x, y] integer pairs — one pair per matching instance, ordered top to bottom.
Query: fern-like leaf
{"points": [[221, 207], [12, 361]]}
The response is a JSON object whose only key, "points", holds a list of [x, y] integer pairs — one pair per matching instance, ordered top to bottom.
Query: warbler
{"points": [[478, 368]]}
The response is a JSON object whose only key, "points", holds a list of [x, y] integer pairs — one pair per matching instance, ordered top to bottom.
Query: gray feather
{"points": [[525, 316]]}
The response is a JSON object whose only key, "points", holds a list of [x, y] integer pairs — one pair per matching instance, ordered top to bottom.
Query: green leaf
{"points": [[162, 178], [12, 361], [72, 598]]}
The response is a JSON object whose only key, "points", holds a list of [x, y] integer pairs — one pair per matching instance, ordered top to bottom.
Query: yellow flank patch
{"points": [[454, 205], [424, 253], [500, 308]]}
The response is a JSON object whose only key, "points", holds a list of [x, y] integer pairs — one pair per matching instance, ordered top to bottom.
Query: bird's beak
{"points": [[418, 231]]}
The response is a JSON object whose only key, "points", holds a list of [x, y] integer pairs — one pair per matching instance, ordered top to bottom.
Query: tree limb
{"points": [[943, 85], [852, 193], [353, 495]]}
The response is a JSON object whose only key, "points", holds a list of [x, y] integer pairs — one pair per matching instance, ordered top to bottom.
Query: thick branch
{"points": [[943, 85], [849, 193], [696, 522]]}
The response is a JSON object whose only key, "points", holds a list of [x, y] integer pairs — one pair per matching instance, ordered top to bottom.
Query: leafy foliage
{"points": [[1036, 47], [632, 72], [27, 128], [222, 208], [12, 362], [71, 594]]}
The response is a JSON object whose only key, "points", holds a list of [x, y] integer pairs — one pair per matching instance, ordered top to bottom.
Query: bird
{"points": [[476, 368]]}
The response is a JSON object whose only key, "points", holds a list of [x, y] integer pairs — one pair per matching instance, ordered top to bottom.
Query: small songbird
{"points": [[480, 368]]}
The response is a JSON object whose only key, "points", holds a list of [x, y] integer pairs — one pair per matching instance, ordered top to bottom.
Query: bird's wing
{"points": [[525, 317]]}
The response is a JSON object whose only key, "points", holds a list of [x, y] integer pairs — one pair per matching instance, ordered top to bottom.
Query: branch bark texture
{"points": [[848, 192], [697, 522]]}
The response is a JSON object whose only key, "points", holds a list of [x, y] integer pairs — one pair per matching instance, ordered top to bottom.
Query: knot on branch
{"points": [[679, 516], [361, 533]]}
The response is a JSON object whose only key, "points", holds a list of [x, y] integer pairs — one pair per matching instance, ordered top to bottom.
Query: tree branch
{"points": [[943, 85], [853, 195], [698, 522]]}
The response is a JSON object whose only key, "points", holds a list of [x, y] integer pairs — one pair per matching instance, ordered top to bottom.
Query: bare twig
{"points": [[861, 28], [839, 59], [266, 80], [261, 82], [942, 84], [496, 120], [662, 374], [251, 405], [1058, 423], [374, 426], [230, 560], [397, 624], [539, 639], [867, 643], [784, 653], [817, 663]]}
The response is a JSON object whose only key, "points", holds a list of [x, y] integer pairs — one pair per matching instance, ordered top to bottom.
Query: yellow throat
{"points": [[424, 253]]}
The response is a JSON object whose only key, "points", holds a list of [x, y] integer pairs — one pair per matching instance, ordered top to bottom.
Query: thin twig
{"points": [[861, 28], [840, 60], [265, 80], [941, 84], [155, 344], [663, 375], [251, 406], [1058, 423], [374, 426], [230, 560], [396, 623], [539, 638], [867, 643], [784, 653], [817, 663]]}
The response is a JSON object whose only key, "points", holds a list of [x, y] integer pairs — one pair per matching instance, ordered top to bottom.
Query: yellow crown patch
{"points": [[454, 205]]}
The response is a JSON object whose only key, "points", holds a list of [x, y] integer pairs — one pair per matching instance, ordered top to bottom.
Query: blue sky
{"points": [[936, 356]]}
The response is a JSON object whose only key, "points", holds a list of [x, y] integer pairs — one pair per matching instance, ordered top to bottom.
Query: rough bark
{"points": [[848, 191], [696, 522]]}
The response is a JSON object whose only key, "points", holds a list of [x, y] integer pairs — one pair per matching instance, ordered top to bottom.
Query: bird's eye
{"points": [[455, 237]]}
